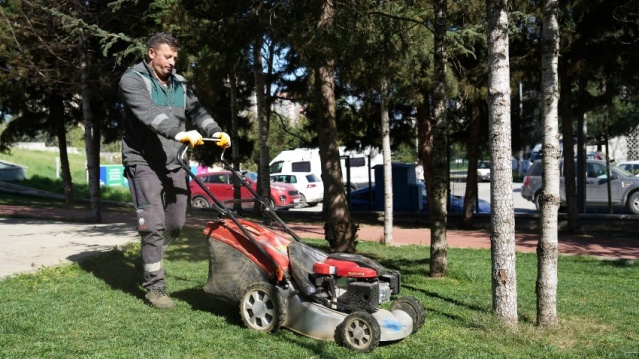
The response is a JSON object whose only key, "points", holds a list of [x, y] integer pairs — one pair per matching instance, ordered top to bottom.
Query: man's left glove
{"points": [[192, 137], [223, 139]]}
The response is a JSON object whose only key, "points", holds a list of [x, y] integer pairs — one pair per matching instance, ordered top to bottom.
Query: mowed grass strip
{"points": [[41, 174], [95, 309]]}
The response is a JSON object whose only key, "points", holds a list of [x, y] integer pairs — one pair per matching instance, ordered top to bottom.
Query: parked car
{"points": [[597, 155], [630, 166], [483, 171], [308, 184], [624, 186], [283, 196], [360, 201]]}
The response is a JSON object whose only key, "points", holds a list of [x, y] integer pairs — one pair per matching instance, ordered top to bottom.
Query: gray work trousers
{"points": [[160, 199]]}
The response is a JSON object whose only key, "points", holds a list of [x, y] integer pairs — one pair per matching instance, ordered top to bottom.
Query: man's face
{"points": [[163, 60]]}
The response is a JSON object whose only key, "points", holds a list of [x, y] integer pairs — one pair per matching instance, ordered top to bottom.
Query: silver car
{"points": [[630, 166], [483, 171], [624, 186]]}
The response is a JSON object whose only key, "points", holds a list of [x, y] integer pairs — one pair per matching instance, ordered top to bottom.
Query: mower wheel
{"points": [[262, 308], [413, 308], [359, 332]]}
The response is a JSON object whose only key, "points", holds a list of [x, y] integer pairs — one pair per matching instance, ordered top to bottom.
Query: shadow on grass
{"points": [[192, 247], [620, 263], [116, 270], [200, 301], [453, 301]]}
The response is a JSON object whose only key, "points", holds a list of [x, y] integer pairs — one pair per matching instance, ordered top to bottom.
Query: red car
{"points": [[283, 195]]}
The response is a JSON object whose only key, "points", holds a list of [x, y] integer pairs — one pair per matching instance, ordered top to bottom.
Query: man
{"points": [[157, 103]]}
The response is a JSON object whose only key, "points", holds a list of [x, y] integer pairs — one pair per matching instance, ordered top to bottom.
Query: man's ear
{"points": [[150, 53]]}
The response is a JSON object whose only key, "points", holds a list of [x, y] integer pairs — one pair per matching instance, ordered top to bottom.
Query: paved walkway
{"points": [[30, 244]]}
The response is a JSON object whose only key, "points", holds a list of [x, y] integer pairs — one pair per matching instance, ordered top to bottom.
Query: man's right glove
{"points": [[193, 137], [224, 140]]}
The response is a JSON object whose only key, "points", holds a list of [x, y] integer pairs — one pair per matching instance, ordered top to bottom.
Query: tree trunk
{"points": [[56, 111], [235, 138], [425, 138], [93, 162], [388, 166], [264, 183], [570, 186], [470, 196], [439, 198], [339, 228], [502, 234], [548, 245]]}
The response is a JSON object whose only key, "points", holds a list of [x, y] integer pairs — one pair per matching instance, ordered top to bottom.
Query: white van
{"points": [[308, 160]]}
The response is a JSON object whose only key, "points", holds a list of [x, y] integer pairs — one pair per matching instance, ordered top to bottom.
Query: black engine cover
{"points": [[361, 296]]}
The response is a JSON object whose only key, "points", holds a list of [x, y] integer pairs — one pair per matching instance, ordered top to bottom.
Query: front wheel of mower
{"points": [[262, 308], [413, 308], [359, 332]]}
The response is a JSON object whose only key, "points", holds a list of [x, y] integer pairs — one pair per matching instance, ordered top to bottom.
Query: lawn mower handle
{"points": [[227, 165], [219, 206]]}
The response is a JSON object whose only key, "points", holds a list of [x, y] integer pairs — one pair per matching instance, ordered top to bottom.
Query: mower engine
{"points": [[352, 287]]}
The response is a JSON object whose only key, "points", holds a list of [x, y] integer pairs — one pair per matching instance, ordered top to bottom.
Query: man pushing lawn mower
{"points": [[157, 103], [278, 280]]}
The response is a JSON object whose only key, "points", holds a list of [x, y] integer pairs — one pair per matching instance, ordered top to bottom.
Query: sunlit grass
{"points": [[42, 174], [96, 309]]}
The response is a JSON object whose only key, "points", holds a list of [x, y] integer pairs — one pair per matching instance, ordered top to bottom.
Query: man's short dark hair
{"points": [[160, 38]]}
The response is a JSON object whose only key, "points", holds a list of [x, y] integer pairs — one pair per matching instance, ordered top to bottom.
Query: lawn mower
{"points": [[279, 281]]}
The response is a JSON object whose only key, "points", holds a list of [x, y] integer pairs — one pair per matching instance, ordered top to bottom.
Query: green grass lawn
{"points": [[41, 174], [95, 309]]}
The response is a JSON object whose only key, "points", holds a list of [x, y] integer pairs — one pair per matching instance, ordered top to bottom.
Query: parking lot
{"points": [[458, 188]]}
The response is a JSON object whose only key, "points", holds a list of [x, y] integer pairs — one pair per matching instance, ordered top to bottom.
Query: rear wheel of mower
{"points": [[262, 308], [413, 308], [359, 332]]}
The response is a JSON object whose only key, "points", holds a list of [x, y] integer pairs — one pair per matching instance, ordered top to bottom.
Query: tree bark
{"points": [[56, 111], [425, 138], [235, 150], [93, 158], [388, 166], [264, 182], [570, 185], [470, 196], [439, 198], [339, 228], [502, 234], [548, 245]]}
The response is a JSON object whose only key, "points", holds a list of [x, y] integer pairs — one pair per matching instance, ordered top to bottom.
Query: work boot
{"points": [[159, 298]]}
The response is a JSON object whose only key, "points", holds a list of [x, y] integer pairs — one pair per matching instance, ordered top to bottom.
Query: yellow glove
{"points": [[193, 137], [224, 140]]}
